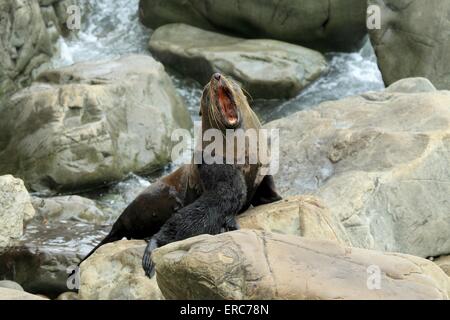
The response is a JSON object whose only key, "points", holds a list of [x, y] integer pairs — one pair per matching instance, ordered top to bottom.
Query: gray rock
{"points": [[321, 24], [414, 40], [24, 45], [266, 68], [411, 85], [91, 123], [379, 162], [73, 208], [15, 209], [303, 216], [259, 265], [10, 285]]}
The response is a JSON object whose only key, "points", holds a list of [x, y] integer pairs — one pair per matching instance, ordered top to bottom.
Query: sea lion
{"points": [[223, 106], [212, 213]]}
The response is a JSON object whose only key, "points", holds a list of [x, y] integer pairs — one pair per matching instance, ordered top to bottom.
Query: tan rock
{"points": [[303, 216], [444, 264], [259, 265], [114, 272], [10, 294]]}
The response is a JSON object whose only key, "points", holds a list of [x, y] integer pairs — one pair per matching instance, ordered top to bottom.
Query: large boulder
{"points": [[322, 24], [414, 40], [24, 43], [266, 68], [91, 123], [379, 162], [74, 208], [15, 209], [303, 216], [258, 265], [114, 272]]}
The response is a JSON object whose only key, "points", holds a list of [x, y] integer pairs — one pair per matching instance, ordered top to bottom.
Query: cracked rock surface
{"points": [[321, 24], [91, 123], [379, 162], [250, 264], [114, 272]]}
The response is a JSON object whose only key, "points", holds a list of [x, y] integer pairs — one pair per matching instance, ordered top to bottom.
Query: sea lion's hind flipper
{"points": [[266, 192], [147, 263]]}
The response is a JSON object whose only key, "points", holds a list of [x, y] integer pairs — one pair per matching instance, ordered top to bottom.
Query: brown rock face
{"points": [[258, 265]]}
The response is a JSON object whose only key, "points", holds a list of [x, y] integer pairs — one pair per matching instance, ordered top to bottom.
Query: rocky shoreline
{"points": [[365, 178]]}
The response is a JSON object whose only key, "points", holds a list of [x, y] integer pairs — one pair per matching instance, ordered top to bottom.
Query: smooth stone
{"points": [[265, 68], [15, 210], [10, 285]]}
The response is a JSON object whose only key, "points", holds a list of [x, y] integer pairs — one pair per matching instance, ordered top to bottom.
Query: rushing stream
{"points": [[112, 29]]}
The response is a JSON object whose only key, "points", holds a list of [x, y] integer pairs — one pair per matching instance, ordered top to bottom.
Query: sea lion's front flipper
{"points": [[266, 192], [147, 263]]}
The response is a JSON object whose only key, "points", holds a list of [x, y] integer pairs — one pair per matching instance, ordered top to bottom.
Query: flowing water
{"points": [[112, 29]]}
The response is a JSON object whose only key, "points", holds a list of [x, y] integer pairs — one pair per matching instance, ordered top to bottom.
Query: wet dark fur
{"points": [[181, 194], [212, 213]]}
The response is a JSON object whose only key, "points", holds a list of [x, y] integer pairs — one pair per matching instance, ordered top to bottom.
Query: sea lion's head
{"points": [[223, 104]]}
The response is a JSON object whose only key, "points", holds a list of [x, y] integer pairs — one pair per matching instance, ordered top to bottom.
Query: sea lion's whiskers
{"points": [[247, 94]]}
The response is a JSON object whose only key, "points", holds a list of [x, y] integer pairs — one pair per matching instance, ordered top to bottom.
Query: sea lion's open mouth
{"points": [[227, 105]]}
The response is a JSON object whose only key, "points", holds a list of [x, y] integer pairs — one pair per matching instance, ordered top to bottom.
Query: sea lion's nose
{"points": [[217, 76]]}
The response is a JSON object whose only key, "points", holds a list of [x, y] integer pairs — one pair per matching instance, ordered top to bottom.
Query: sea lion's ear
{"points": [[200, 113], [266, 192]]}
